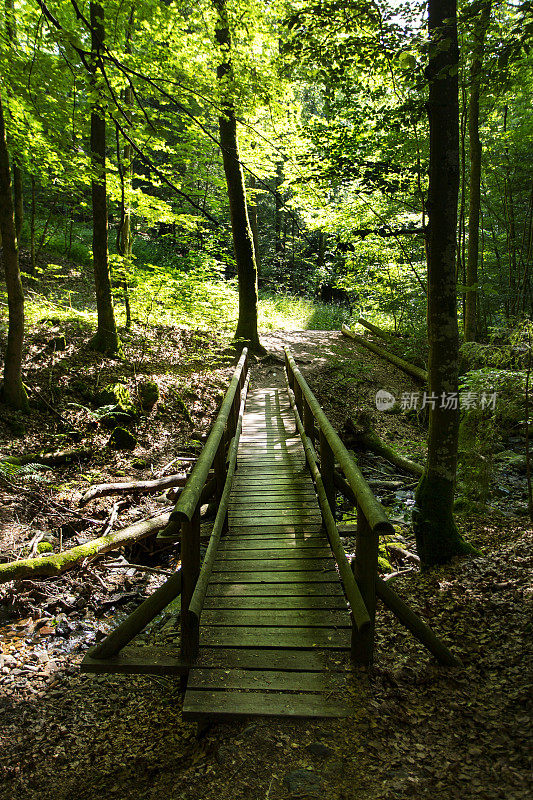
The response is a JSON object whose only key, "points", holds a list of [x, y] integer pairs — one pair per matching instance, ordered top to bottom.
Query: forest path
{"points": [[313, 351]]}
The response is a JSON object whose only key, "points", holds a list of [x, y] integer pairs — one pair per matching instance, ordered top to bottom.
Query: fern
{"points": [[10, 471]]}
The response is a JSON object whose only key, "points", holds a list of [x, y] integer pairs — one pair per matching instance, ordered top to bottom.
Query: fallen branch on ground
{"points": [[375, 330], [416, 372], [364, 435], [49, 459], [104, 489], [50, 565]]}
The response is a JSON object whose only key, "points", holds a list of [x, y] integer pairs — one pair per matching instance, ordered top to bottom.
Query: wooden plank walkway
{"points": [[275, 616]]}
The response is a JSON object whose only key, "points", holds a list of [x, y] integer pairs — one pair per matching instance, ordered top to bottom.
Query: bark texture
{"points": [[240, 224], [471, 311], [106, 338], [14, 393], [437, 537]]}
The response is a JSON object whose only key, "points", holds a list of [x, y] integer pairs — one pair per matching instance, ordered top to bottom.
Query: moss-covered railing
{"points": [[185, 518], [372, 522]]}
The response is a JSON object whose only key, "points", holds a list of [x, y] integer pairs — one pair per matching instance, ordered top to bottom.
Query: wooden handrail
{"points": [[187, 503], [369, 505], [371, 521], [357, 605], [191, 617]]}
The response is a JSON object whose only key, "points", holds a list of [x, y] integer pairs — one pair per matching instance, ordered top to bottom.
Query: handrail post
{"points": [[298, 397], [308, 420], [219, 465], [327, 470], [365, 567], [190, 568]]}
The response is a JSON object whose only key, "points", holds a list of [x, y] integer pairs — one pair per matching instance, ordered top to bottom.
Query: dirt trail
{"points": [[311, 349]]}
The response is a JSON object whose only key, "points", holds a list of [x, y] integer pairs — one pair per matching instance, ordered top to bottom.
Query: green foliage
{"points": [[14, 471]]}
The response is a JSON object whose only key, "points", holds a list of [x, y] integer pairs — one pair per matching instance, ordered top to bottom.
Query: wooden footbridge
{"points": [[270, 616]]}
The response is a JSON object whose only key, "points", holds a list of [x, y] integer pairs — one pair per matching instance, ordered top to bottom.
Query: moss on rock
{"points": [[122, 439]]}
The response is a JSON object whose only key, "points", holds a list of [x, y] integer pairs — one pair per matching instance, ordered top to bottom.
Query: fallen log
{"points": [[375, 330], [417, 373], [367, 437], [49, 459], [105, 489], [50, 565]]}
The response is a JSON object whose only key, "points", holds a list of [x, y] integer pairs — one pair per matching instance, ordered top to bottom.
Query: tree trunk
{"points": [[480, 29], [11, 33], [18, 198], [252, 210], [278, 215], [240, 224], [124, 238], [33, 263], [106, 338], [14, 393], [436, 533], [49, 565]]}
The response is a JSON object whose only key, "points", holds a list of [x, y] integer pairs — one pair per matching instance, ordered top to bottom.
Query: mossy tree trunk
{"points": [[18, 196], [240, 223], [124, 235], [471, 310], [106, 338], [14, 393], [437, 536]]}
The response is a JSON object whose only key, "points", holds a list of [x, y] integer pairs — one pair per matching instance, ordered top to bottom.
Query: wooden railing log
{"points": [[188, 501], [372, 508], [359, 612], [191, 618], [413, 623]]}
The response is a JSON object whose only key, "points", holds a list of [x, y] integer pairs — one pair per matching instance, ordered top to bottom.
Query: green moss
{"points": [[148, 392], [115, 394], [122, 439], [44, 547]]}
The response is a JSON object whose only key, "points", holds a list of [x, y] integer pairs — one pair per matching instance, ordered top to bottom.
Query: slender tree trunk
{"points": [[11, 32], [18, 198], [252, 212], [278, 215], [242, 235], [124, 238], [33, 263], [460, 268], [471, 311], [106, 338], [13, 392], [436, 534]]}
